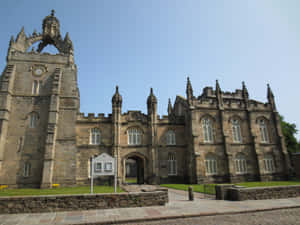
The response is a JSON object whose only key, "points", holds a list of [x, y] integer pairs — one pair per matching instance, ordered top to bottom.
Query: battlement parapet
{"points": [[91, 117]]}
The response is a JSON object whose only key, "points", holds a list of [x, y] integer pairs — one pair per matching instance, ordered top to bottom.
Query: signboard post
{"points": [[103, 165]]}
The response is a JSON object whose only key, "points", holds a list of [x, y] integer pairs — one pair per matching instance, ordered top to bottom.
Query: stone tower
{"points": [[39, 101]]}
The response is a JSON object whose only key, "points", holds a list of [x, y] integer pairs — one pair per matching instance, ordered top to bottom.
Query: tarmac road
{"points": [[274, 217]]}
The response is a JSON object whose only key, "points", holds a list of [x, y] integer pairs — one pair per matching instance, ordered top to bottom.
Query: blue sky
{"points": [[138, 44]]}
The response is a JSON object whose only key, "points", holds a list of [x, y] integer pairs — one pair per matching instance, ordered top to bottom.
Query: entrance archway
{"points": [[134, 169]]}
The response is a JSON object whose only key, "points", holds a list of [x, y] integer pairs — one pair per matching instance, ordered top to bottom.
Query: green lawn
{"points": [[131, 180], [269, 183], [196, 187], [210, 189], [55, 191]]}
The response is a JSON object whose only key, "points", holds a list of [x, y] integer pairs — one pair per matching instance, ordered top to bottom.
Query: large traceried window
{"points": [[33, 119], [207, 130], [236, 131], [263, 131], [95, 136], [134, 136], [171, 140], [172, 164], [240, 164], [211, 165], [269, 165], [27, 168]]}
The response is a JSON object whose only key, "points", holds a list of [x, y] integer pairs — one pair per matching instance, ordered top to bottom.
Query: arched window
{"points": [[36, 87], [33, 119], [207, 130], [236, 131], [263, 131], [95, 136], [134, 136], [171, 140], [172, 164], [240, 164], [211, 165], [269, 165], [27, 168]]}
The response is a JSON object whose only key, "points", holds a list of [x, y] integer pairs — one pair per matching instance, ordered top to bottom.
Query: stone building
{"points": [[44, 139]]}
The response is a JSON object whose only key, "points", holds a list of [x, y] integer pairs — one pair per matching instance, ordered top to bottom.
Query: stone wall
{"points": [[234, 193], [37, 204]]}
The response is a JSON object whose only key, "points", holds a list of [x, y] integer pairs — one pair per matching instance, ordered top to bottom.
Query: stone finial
{"points": [[52, 12], [34, 33], [21, 35], [12, 40], [218, 89], [189, 90], [245, 91], [270, 93], [219, 95], [270, 97], [117, 98], [151, 99], [169, 107]]}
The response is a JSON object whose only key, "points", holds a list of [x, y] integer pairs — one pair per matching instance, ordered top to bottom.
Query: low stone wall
{"points": [[231, 192], [54, 203]]}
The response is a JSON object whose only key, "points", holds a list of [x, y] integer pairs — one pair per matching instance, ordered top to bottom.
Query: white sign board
{"points": [[103, 165]]}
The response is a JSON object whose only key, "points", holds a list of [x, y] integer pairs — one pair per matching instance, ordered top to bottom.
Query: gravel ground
{"points": [[282, 217]]}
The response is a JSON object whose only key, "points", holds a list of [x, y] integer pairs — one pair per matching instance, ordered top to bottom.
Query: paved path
{"points": [[178, 207]]}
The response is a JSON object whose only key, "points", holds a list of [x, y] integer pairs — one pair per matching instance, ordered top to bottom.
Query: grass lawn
{"points": [[131, 180], [269, 183], [196, 187], [211, 190], [55, 191]]}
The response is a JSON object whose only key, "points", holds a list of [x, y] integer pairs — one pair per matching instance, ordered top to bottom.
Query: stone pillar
{"points": [[6, 88], [116, 120], [152, 124], [255, 144], [282, 146], [49, 154], [193, 176]]}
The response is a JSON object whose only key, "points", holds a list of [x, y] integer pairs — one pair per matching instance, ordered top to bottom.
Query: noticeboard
{"points": [[103, 165]]}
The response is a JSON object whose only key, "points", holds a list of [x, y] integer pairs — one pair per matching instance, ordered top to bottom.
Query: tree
{"points": [[289, 131]]}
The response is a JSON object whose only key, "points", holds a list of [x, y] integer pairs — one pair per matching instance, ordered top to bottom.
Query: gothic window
{"points": [[36, 87], [33, 119], [207, 130], [236, 131], [263, 131], [95, 136], [134, 136], [171, 138], [172, 164], [240, 164], [269, 164], [211, 165], [27, 168]]}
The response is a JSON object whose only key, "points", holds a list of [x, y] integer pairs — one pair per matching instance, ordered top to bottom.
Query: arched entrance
{"points": [[134, 169]]}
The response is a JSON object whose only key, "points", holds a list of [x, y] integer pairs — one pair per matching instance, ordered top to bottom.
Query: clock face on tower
{"points": [[38, 70]]}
